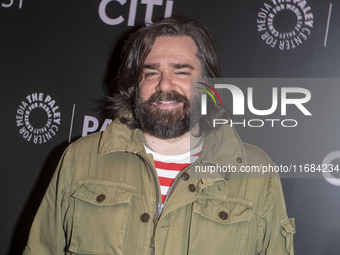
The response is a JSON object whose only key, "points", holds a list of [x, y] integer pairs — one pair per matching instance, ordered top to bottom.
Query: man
{"points": [[132, 189]]}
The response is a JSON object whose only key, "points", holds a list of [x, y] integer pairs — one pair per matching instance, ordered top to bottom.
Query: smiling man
{"points": [[132, 189]]}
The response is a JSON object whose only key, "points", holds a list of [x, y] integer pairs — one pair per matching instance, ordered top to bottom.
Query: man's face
{"points": [[163, 108]]}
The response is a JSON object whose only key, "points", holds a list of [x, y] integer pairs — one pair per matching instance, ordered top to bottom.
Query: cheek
{"points": [[145, 90], [186, 90]]}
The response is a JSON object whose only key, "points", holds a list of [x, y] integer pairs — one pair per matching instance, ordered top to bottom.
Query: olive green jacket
{"points": [[105, 199]]}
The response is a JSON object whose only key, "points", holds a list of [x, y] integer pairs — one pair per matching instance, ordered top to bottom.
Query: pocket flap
{"points": [[103, 193], [233, 209], [289, 225], [288, 230]]}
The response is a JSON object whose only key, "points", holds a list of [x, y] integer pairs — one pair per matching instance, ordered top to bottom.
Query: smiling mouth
{"points": [[167, 102]]}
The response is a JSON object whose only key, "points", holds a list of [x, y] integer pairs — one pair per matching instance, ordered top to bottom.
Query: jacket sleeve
{"points": [[278, 229], [47, 235]]}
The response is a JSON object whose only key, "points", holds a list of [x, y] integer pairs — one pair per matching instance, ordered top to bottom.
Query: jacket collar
{"points": [[118, 137], [222, 146]]}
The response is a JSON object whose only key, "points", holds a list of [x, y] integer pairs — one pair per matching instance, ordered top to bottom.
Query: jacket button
{"points": [[239, 160], [185, 176], [192, 188], [100, 198], [223, 215], [145, 217]]}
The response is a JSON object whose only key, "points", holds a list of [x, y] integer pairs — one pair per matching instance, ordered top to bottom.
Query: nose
{"points": [[166, 83]]}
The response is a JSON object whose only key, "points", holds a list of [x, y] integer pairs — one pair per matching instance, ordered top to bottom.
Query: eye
{"points": [[183, 73], [150, 74]]}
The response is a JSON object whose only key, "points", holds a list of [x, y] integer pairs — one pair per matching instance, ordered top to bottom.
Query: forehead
{"points": [[177, 49]]}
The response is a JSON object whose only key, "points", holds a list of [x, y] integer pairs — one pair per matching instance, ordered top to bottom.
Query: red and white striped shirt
{"points": [[168, 166]]}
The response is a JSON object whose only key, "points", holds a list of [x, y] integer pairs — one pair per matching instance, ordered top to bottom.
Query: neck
{"points": [[174, 146]]}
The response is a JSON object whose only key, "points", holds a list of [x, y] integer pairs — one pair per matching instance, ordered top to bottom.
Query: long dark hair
{"points": [[136, 49]]}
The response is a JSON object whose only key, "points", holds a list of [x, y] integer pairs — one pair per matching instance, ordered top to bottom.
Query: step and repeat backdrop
{"points": [[58, 60]]}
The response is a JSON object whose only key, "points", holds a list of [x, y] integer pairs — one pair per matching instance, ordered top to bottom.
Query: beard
{"points": [[167, 123]]}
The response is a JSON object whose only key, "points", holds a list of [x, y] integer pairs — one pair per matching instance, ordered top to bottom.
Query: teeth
{"points": [[167, 102]]}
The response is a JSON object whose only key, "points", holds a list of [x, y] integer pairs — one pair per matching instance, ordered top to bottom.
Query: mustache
{"points": [[166, 96]]}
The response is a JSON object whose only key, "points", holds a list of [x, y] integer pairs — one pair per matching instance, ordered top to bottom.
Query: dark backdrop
{"points": [[57, 59]]}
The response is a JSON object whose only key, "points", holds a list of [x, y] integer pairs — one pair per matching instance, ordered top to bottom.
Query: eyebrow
{"points": [[151, 66], [155, 66], [180, 66]]}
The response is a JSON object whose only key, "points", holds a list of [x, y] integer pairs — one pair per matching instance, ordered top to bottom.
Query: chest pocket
{"points": [[100, 217], [219, 225]]}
